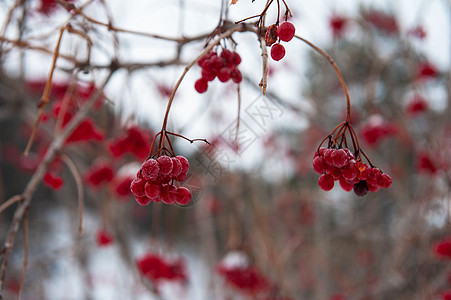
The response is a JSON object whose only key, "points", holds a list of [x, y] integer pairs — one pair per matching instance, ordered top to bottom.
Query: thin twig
{"points": [[340, 77], [46, 94], [238, 119], [54, 148], [73, 169], [10, 201], [25, 255]]}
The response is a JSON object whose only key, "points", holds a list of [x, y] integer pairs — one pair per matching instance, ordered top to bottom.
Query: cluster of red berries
{"points": [[48, 7], [284, 32], [223, 66], [134, 141], [341, 165], [99, 173], [53, 180], [154, 181], [104, 238], [157, 268], [246, 279]]}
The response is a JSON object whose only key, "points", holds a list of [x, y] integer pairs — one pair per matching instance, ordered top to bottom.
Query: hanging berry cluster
{"points": [[283, 32], [223, 66], [338, 163], [154, 181]]}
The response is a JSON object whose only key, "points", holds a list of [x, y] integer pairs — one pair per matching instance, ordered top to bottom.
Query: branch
{"points": [[54, 148]]}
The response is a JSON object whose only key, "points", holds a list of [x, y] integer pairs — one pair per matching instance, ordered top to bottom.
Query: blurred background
{"points": [[258, 225]]}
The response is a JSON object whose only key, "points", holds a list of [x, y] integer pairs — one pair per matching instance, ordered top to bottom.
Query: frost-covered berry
{"points": [[339, 158], [184, 162], [165, 163], [319, 165], [176, 167], [150, 170], [350, 172], [181, 177], [384, 180], [326, 182], [346, 185], [137, 187], [152, 190], [168, 194], [183, 196], [144, 200]]}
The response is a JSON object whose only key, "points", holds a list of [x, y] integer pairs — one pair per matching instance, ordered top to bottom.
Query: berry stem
{"points": [[268, 4], [288, 11], [340, 77], [46, 94], [189, 140], [355, 140], [170, 144], [367, 158]]}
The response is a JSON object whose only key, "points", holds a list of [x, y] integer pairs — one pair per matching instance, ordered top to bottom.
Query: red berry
{"points": [[286, 31], [271, 35], [277, 52], [226, 54], [235, 59], [201, 61], [218, 62], [208, 65], [224, 74], [236, 75], [207, 76], [201, 85], [321, 152], [328, 157], [339, 158], [165, 163], [185, 163], [319, 165], [176, 167], [150, 170], [336, 172], [350, 172], [373, 176], [181, 177], [163, 179], [384, 180], [326, 182], [346, 185], [137, 187], [372, 187], [361, 188], [152, 190], [168, 194], [183, 196], [144, 200]]}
